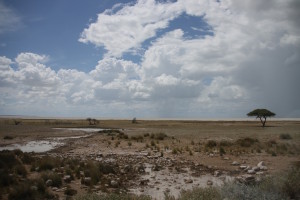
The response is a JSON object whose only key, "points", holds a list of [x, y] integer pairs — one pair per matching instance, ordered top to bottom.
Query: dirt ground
{"points": [[186, 145]]}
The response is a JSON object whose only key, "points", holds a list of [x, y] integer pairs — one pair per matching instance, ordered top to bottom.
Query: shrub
{"points": [[146, 135], [160, 136], [285, 136], [8, 137], [247, 142], [117, 143], [129, 143], [152, 143], [225, 143], [271, 143], [211, 144], [175, 151], [222, 151], [27, 158], [8, 159], [48, 163], [107, 168], [20, 170], [56, 179], [291, 186], [30, 190], [237, 191], [22, 192], [70, 192], [200, 193], [111, 196]]}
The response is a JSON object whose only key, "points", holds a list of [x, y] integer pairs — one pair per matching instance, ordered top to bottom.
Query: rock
{"points": [[226, 158], [235, 163], [260, 164], [243, 167], [127, 168], [141, 168], [156, 168], [263, 168], [256, 169], [251, 171], [217, 173], [259, 173], [67, 178], [247, 178], [87, 180], [188, 180], [49, 182], [144, 182], [209, 182], [114, 183]]}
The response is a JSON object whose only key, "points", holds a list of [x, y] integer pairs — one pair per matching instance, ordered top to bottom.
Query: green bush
{"points": [[285, 136]]}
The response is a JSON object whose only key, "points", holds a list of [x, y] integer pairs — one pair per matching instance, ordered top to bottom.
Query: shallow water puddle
{"points": [[88, 130], [34, 146], [40, 146], [157, 183]]}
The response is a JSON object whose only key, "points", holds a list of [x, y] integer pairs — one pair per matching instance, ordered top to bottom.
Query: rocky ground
{"points": [[157, 159]]}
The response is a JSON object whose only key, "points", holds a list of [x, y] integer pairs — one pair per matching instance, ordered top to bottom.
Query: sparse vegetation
{"points": [[285, 136], [8, 137], [246, 142], [211, 144], [112, 196]]}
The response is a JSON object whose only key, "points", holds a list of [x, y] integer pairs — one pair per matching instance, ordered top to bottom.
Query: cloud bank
{"points": [[251, 60]]}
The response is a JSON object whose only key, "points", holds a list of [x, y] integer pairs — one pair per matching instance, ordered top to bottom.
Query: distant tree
{"points": [[262, 114], [89, 120], [134, 120], [95, 121], [17, 122]]}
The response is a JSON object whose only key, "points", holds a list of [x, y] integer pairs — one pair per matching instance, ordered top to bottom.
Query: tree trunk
{"points": [[263, 122]]}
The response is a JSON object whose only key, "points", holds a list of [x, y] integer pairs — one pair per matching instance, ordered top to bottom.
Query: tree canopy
{"points": [[262, 114]]}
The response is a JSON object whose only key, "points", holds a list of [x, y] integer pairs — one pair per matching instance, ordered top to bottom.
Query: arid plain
{"points": [[154, 157]]}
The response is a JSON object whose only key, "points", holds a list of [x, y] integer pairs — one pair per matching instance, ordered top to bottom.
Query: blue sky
{"points": [[53, 28], [147, 58]]}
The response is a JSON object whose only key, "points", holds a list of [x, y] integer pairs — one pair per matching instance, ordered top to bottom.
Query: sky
{"points": [[188, 59]]}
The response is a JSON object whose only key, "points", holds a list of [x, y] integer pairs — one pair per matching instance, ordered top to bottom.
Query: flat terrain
{"points": [[168, 144]]}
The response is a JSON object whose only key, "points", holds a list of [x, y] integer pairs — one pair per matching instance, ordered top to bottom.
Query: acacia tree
{"points": [[262, 114]]}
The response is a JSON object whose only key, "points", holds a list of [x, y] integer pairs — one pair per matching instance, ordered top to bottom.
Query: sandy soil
{"points": [[188, 137]]}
